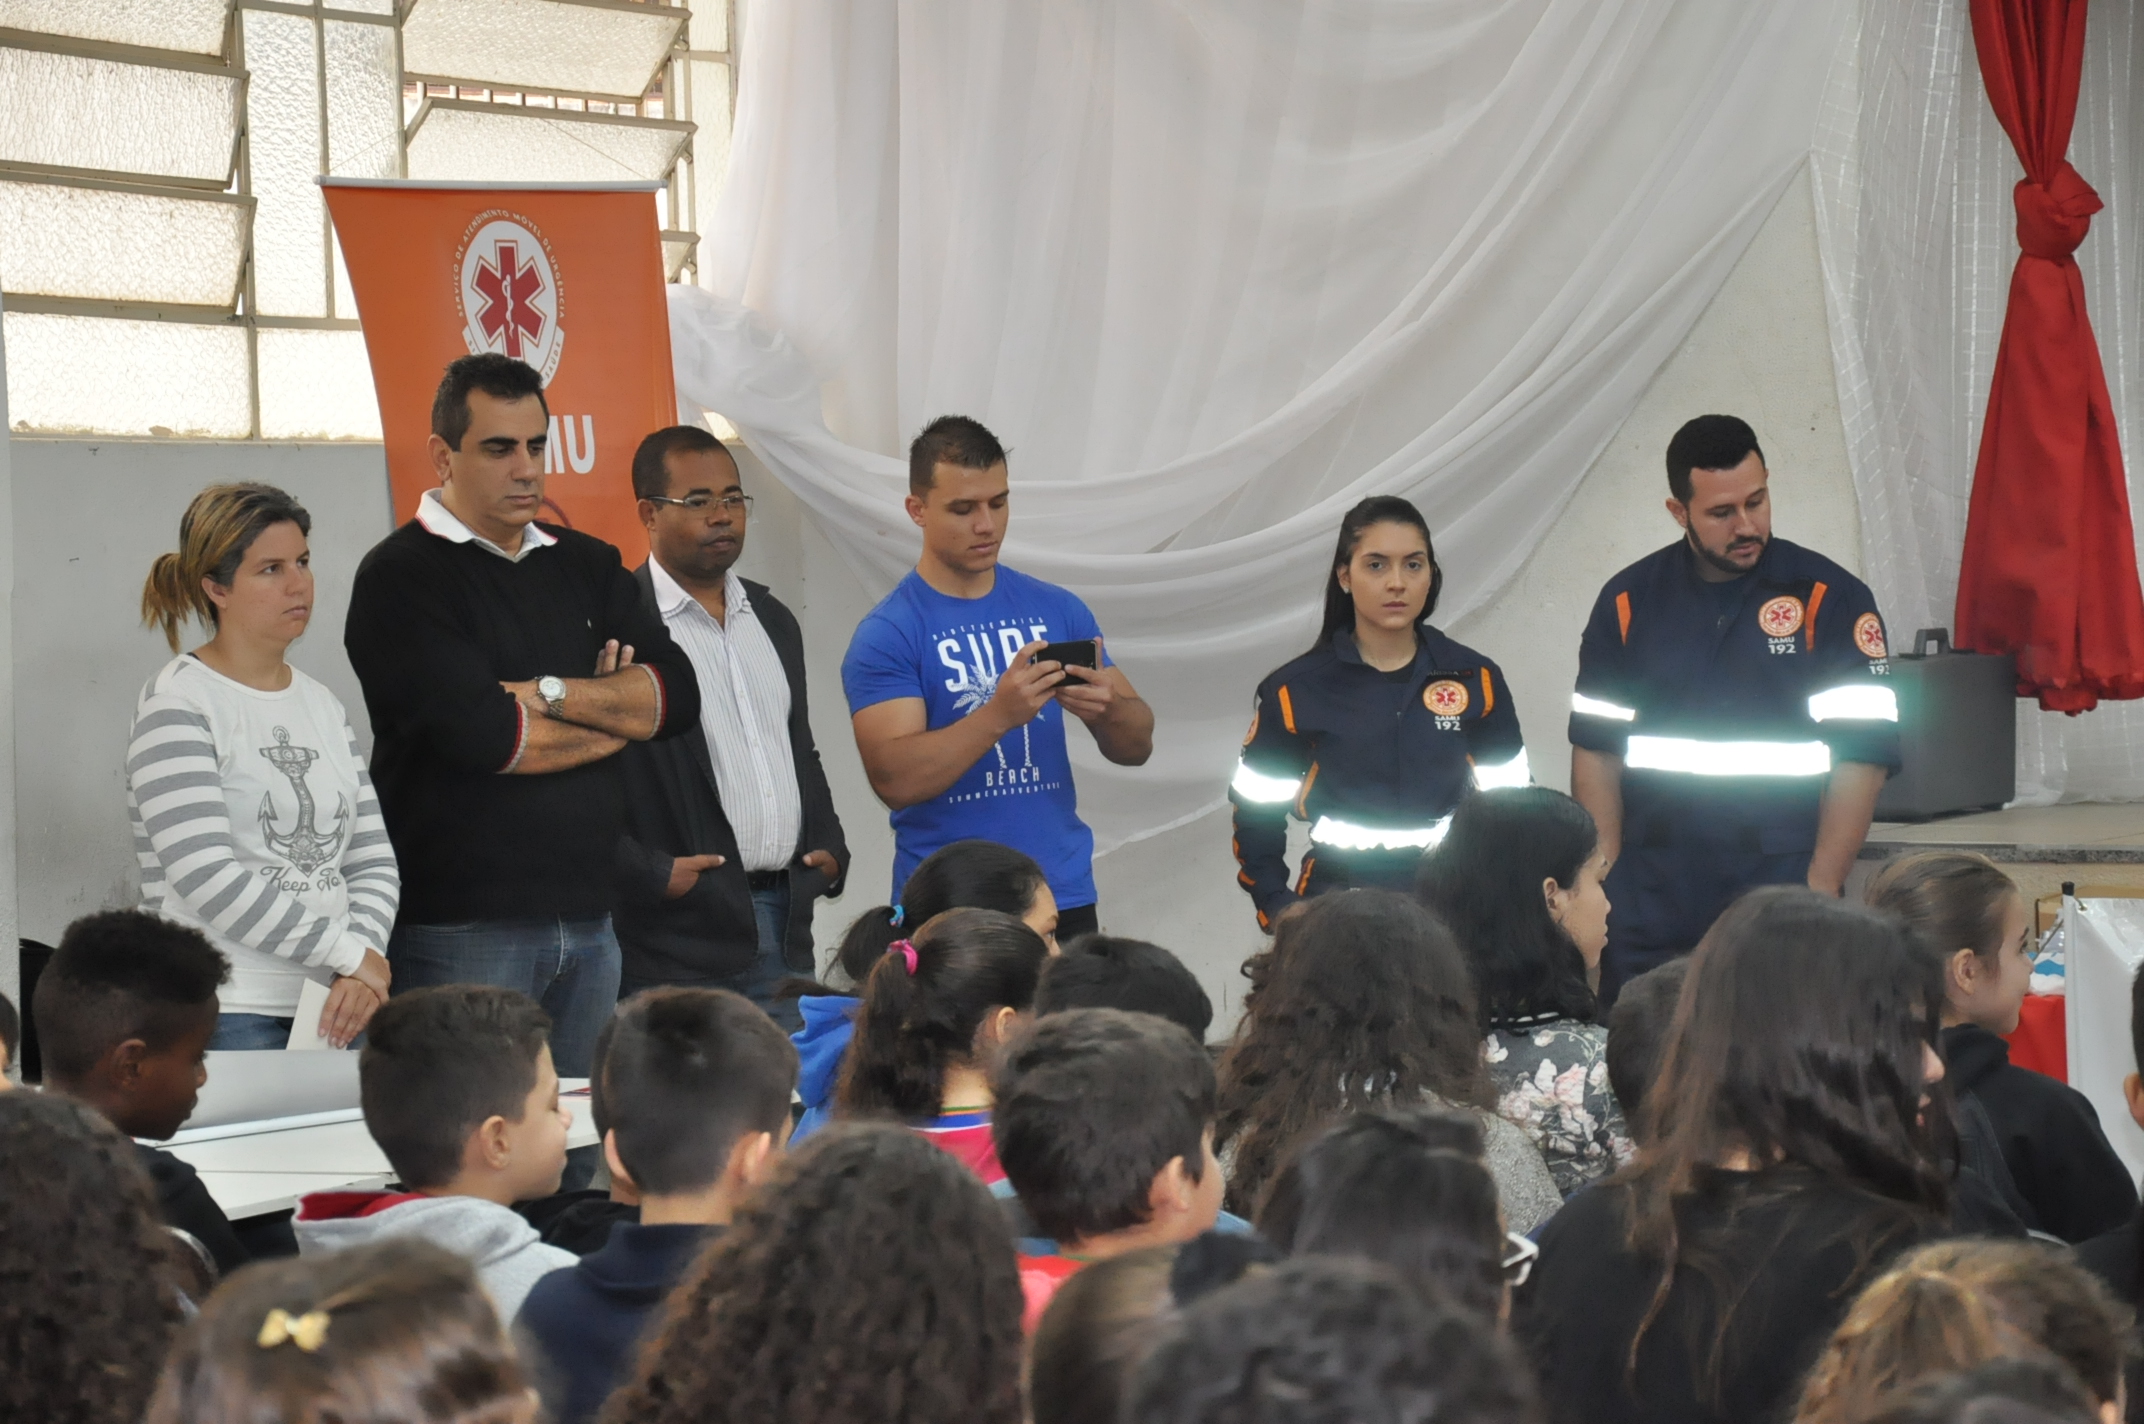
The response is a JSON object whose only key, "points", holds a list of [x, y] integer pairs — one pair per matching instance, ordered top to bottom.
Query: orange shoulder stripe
{"points": [[1816, 601], [1622, 614], [1488, 693], [1287, 710]]}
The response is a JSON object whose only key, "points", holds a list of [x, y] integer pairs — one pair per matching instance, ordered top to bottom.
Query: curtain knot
{"points": [[2053, 217]]}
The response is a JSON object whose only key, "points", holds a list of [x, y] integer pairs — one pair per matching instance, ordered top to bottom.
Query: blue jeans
{"points": [[770, 907], [568, 966], [249, 1031]]}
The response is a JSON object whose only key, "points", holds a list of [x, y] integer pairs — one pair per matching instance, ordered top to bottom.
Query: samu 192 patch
{"points": [[1780, 617], [1868, 636], [1446, 698]]}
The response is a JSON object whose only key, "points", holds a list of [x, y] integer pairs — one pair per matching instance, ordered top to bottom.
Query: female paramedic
{"points": [[1376, 733]]}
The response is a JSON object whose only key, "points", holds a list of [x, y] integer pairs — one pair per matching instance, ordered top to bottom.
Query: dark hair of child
{"points": [[970, 874], [1484, 881], [1099, 971], [119, 975], [1363, 1000], [917, 1019], [1638, 1034], [436, 1063], [684, 1074], [1092, 1104], [1401, 1185], [872, 1281], [89, 1286], [1097, 1328], [396, 1330], [1324, 1338], [2016, 1391]]}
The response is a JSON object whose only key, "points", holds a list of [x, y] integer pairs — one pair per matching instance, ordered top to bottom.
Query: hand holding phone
{"points": [[1075, 652]]}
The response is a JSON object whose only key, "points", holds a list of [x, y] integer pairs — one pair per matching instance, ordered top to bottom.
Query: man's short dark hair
{"points": [[500, 377], [950, 440], [1710, 442], [651, 477], [1099, 971], [116, 975], [1638, 1032], [437, 1063], [681, 1075], [1090, 1104], [1323, 1338]]}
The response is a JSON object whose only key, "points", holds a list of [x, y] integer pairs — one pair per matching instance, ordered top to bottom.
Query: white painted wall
{"points": [[89, 516]]}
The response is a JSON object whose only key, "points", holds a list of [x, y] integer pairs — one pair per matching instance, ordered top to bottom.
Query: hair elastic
{"points": [[899, 914], [907, 952], [308, 1331]]}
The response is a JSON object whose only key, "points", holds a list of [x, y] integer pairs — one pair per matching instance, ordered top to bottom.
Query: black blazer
{"points": [[672, 809]]}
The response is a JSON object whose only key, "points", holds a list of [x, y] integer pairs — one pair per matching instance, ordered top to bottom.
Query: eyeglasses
{"points": [[701, 503], [1519, 1261]]}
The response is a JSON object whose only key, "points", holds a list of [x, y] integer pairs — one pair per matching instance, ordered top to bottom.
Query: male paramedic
{"points": [[1733, 720]]}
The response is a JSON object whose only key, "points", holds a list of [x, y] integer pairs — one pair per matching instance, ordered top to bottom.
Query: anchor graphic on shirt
{"points": [[306, 848]]}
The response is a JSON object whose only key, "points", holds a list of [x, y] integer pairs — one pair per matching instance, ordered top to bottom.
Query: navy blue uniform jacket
{"points": [[1375, 762]]}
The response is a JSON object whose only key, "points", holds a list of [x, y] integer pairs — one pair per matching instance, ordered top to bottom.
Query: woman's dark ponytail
{"points": [[923, 1003]]}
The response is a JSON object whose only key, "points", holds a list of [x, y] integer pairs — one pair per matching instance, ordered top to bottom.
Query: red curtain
{"points": [[2050, 569]]}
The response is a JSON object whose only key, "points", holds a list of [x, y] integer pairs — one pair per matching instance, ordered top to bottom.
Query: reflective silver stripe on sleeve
{"points": [[1857, 701], [1594, 707], [1705, 758], [1507, 773], [1253, 785], [1346, 835]]}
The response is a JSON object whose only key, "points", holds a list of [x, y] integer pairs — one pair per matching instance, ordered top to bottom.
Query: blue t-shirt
{"points": [[919, 642]]}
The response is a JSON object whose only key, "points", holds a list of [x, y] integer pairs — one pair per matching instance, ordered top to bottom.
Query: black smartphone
{"points": [[1079, 652]]}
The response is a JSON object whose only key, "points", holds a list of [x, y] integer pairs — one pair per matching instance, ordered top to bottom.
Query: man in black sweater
{"points": [[505, 663]]}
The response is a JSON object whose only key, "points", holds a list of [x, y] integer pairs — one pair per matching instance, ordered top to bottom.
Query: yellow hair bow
{"points": [[308, 1331]]}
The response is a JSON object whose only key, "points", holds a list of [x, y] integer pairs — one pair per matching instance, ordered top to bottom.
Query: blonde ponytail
{"points": [[214, 534]]}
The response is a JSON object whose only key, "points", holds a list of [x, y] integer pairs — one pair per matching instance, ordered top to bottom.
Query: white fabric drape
{"points": [[1918, 236], [1216, 269]]}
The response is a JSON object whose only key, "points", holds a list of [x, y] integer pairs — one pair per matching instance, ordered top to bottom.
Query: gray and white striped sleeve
{"points": [[173, 779], [368, 863]]}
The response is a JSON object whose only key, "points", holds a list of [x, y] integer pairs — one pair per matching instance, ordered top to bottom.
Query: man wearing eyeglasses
{"points": [[730, 834]]}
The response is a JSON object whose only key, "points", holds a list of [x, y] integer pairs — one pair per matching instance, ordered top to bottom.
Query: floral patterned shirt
{"points": [[1552, 1080]]}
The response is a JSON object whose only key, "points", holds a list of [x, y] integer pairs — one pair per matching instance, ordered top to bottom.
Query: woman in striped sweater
{"points": [[254, 818]]}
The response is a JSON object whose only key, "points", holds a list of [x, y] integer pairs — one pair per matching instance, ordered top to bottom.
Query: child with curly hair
{"points": [[871, 1281], [89, 1290], [398, 1330]]}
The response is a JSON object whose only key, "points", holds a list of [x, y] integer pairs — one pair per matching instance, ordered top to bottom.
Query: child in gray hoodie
{"points": [[460, 1094]]}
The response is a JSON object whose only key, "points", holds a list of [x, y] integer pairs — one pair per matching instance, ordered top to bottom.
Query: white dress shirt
{"points": [[433, 514], [744, 714]]}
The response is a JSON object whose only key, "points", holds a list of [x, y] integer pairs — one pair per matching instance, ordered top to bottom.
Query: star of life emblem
{"points": [[509, 291], [1781, 618], [1446, 698]]}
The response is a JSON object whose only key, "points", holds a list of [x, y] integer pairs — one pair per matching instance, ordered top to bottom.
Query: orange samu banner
{"points": [[566, 278]]}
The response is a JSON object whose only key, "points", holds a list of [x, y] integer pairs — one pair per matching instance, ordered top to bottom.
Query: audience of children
{"points": [[970, 874], [1517, 879], [1099, 971], [1362, 1000], [936, 1011], [124, 1012], [458, 1090], [1104, 1128], [1787, 1158], [2069, 1180], [1405, 1186], [1785, 1234], [871, 1280], [89, 1293], [1952, 1305], [397, 1330], [1327, 1340]]}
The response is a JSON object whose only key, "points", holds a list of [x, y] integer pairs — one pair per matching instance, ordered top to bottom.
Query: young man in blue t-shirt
{"points": [[962, 731]]}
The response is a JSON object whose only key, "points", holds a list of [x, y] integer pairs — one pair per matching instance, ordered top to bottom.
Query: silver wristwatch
{"points": [[553, 692]]}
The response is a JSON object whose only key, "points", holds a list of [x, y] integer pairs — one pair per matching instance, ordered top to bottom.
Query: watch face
{"points": [[551, 688]]}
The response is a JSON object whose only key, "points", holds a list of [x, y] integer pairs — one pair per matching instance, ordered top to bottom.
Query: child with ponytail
{"points": [[966, 874], [937, 1007]]}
